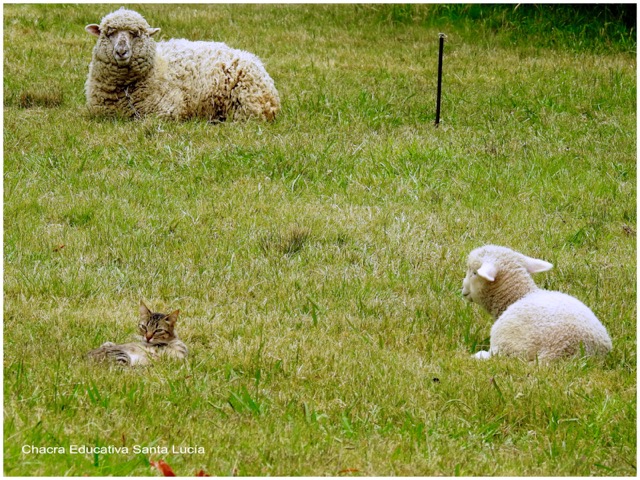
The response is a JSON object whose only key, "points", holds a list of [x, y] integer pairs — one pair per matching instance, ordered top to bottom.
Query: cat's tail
{"points": [[110, 352]]}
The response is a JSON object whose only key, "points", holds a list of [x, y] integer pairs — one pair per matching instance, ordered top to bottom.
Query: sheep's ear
{"points": [[93, 29], [152, 31], [533, 265], [488, 271]]}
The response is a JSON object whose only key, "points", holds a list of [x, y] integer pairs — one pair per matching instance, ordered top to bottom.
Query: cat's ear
{"points": [[145, 313], [173, 317]]}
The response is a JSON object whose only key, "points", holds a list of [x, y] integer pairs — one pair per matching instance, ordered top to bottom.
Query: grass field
{"points": [[318, 260]]}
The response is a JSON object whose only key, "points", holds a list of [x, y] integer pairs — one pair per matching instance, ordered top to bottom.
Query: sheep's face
{"points": [[123, 43], [474, 282]]}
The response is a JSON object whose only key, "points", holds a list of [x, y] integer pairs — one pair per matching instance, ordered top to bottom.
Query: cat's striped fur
{"points": [[157, 339]]}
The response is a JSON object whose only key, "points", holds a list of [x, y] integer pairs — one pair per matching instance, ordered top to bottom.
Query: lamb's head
{"points": [[123, 35], [498, 276]]}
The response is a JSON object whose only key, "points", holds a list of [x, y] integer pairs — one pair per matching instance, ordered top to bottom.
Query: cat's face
{"points": [[156, 328]]}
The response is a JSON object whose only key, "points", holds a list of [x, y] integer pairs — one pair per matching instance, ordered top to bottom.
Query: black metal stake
{"points": [[439, 94]]}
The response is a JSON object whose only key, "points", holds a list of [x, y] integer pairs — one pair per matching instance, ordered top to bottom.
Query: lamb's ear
{"points": [[93, 29], [152, 31], [534, 265], [488, 271], [145, 313]]}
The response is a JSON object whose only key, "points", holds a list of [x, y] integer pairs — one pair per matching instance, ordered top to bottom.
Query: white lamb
{"points": [[132, 75], [531, 322]]}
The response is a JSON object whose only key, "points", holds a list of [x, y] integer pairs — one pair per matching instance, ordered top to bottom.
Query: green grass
{"points": [[317, 261]]}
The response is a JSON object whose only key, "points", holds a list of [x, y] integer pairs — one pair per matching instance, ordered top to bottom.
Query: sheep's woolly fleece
{"points": [[131, 75], [531, 323]]}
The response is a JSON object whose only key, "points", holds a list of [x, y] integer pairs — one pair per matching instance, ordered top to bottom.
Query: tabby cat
{"points": [[157, 339]]}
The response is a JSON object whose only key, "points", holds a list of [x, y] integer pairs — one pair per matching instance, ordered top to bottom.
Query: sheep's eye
{"points": [[475, 272]]}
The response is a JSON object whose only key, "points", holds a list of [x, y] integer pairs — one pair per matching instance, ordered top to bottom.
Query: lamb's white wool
{"points": [[132, 75], [530, 322]]}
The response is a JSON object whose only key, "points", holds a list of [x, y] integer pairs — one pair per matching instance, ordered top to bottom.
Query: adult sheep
{"points": [[131, 75], [531, 323]]}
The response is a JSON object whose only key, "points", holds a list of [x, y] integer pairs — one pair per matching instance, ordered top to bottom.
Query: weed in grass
{"points": [[47, 99], [288, 243]]}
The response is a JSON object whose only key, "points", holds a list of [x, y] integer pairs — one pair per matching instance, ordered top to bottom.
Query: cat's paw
{"points": [[482, 355]]}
